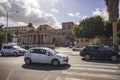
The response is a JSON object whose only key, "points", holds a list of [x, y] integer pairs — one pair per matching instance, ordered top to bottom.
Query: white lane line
{"points": [[92, 63], [94, 66], [95, 69], [9, 75], [107, 76], [47, 77], [59, 78], [73, 79]]}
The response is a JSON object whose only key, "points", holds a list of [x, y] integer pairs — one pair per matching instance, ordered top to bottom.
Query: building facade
{"points": [[17, 30], [45, 35]]}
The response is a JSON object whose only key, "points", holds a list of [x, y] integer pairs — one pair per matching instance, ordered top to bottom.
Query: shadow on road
{"points": [[9, 56], [101, 61], [46, 67]]}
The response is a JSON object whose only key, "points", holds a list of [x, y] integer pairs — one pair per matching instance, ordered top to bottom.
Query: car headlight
{"points": [[119, 53], [62, 57]]}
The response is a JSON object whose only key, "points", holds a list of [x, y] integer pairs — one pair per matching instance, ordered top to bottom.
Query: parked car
{"points": [[70, 46], [109, 47], [78, 48], [12, 49], [99, 52], [44, 55]]}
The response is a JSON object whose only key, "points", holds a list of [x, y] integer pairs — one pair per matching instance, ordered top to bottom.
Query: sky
{"points": [[51, 12]]}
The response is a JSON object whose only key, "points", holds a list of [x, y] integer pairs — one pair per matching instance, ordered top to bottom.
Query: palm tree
{"points": [[113, 12], [1, 35]]}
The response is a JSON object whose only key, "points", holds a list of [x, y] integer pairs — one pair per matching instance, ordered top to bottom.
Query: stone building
{"points": [[16, 30], [45, 35]]}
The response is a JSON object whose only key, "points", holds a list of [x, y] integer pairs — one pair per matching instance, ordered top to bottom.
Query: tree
{"points": [[113, 11], [89, 27], [107, 29], [118, 29], [77, 31], [2, 35], [9, 37]]}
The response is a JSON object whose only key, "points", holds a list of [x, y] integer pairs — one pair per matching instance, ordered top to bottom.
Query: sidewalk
{"points": [[67, 50]]}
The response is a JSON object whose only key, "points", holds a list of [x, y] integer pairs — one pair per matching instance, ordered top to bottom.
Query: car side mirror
{"points": [[13, 48], [49, 54]]}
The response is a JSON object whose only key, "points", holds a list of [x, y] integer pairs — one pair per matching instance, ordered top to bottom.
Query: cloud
{"points": [[3, 1], [53, 2], [29, 11], [55, 11], [101, 12], [74, 15], [83, 17]]}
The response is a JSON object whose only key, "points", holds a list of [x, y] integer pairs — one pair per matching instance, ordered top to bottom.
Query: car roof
{"points": [[10, 44], [93, 46], [39, 48]]}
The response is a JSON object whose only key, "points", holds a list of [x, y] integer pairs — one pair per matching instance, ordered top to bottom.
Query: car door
{"points": [[4, 49], [8, 50], [11, 50], [94, 51], [103, 52], [35, 55], [45, 58]]}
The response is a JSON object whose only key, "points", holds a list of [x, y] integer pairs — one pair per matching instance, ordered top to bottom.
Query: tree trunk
{"points": [[113, 12], [115, 38]]}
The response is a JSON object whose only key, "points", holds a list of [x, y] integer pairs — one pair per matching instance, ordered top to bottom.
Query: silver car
{"points": [[78, 48]]}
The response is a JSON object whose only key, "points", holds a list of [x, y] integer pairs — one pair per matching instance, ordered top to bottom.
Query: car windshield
{"points": [[17, 47], [52, 51]]}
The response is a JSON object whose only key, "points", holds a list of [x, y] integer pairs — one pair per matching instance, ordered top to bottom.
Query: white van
{"points": [[12, 49]]}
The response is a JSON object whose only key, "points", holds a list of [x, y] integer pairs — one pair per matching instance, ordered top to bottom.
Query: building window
{"points": [[69, 27], [64, 28]]}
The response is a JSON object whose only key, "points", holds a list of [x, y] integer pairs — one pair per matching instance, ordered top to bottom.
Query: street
{"points": [[14, 68]]}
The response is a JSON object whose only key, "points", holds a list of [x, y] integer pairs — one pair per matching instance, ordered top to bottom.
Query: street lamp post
{"points": [[6, 21], [6, 27]]}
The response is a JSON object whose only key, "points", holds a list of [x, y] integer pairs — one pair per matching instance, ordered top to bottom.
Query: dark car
{"points": [[99, 52]]}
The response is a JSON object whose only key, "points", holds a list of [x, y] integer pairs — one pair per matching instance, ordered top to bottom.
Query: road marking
{"points": [[94, 66], [95, 69], [9, 75], [107, 76], [47, 77], [58, 78], [68, 78], [73, 79]]}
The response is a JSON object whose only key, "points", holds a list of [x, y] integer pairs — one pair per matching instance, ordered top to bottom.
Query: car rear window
{"points": [[92, 48]]}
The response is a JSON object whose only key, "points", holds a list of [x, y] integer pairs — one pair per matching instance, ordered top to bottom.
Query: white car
{"points": [[78, 48], [12, 49], [44, 55]]}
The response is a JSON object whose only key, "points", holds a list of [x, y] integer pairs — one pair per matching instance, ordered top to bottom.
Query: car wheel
{"points": [[2, 54], [15, 54], [87, 57], [114, 58], [27, 61], [55, 62]]}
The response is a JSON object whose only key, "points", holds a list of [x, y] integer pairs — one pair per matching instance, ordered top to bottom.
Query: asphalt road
{"points": [[14, 68]]}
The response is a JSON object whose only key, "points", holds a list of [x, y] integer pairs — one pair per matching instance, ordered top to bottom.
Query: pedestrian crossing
{"points": [[88, 71], [92, 71]]}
